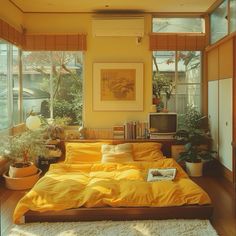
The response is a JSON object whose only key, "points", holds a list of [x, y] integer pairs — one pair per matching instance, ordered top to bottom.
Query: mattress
{"points": [[67, 186]]}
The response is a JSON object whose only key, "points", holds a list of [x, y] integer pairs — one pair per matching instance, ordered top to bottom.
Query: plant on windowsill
{"points": [[161, 85], [54, 129], [21, 151]]}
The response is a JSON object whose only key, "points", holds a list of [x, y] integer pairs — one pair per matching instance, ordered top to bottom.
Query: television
{"points": [[162, 123]]}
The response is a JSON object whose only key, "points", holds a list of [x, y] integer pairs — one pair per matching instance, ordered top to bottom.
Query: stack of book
{"points": [[136, 130], [119, 132]]}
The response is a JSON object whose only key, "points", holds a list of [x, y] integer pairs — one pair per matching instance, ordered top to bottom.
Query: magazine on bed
{"points": [[159, 174]]}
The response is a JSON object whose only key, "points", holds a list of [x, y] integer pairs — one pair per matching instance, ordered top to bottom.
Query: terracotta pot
{"points": [[194, 169], [16, 172], [21, 183]]}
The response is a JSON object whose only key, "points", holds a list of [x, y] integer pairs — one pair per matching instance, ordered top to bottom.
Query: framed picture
{"points": [[118, 86]]}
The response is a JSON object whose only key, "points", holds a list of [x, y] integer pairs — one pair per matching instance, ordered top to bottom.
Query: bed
{"points": [[107, 181]]}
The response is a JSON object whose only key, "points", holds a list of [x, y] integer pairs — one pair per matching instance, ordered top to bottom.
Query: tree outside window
{"points": [[55, 79]]}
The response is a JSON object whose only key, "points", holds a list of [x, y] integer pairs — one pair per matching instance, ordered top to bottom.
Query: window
{"points": [[232, 16], [219, 22], [178, 25], [4, 56], [183, 68], [9, 75], [16, 78], [52, 84]]}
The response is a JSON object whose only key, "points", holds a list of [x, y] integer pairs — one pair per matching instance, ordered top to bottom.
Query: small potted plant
{"points": [[54, 130], [21, 151]]}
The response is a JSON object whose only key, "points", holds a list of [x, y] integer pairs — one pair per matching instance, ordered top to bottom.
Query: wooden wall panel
{"points": [[5, 30], [10, 34], [181, 40], [201, 41], [29, 42], [39, 42], [42, 42], [50, 42], [55, 42], [61, 42], [72, 42], [161, 42], [172, 42], [177, 42], [191, 42], [226, 60], [212, 64], [234, 111]]}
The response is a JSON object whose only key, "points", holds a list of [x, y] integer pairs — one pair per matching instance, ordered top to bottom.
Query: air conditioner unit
{"points": [[118, 26]]}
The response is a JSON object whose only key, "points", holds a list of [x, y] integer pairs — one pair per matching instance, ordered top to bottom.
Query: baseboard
{"points": [[215, 168], [222, 171], [226, 173]]}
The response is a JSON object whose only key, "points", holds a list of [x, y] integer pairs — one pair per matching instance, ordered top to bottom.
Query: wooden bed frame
{"points": [[123, 213]]}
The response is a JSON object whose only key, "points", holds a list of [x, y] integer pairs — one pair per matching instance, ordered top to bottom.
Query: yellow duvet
{"points": [[67, 186]]}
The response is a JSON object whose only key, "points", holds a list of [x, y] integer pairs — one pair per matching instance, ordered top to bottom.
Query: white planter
{"points": [[194, 169], [16, 172], [22, 182]]}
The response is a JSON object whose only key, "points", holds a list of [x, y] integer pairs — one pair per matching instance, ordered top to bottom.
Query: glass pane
{"points": [[232, 16], [219, 22], [179, 25], [189, 67], [36, 73], [15, 77], [164, 78], [53, 80], [3, 85], [68, 86], [187, 95]]}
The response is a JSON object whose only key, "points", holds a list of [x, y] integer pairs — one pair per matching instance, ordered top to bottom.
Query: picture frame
{"points": [[118, 86]]}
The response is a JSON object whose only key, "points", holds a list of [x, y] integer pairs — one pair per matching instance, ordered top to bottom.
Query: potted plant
{"points": [[54, 130], [196, 140], [21, 151], [196, 152]]}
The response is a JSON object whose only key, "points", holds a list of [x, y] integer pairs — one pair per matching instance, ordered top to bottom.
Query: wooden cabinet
{"points": [[226, 60], [212, 65], [220, 74], [213, 111], [220, 113], [225, 122], [176, 150]]}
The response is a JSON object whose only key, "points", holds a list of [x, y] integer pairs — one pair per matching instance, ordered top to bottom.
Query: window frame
{"points": [[183, 17], [201, 83]]}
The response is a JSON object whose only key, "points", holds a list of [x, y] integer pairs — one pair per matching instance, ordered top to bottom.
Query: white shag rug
{"points": [[117, 228]]}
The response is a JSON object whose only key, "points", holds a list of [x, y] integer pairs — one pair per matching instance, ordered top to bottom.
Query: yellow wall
{"points": [[10, 14], [100, 49]]}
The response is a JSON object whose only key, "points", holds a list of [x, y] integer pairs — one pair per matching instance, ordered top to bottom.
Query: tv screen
{"points": [[163, 123]]}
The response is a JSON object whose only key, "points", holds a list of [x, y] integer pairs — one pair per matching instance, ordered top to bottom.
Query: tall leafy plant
{"points": [[24, 147]]}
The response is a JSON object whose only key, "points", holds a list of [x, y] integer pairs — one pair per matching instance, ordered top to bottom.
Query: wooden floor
{"points": [[221, 192]]}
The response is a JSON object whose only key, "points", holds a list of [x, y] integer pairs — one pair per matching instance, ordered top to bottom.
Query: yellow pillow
{"points": [[147, 151], [83, 152], [117, 153]]}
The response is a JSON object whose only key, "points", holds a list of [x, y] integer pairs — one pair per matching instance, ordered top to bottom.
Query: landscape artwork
{"points": [[118, 84]]}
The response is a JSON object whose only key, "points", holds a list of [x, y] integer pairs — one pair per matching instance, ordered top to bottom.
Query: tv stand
{"points": [[161, 136]]}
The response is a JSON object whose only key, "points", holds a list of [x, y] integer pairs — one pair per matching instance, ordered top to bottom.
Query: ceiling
{"points": [[159, 6]]}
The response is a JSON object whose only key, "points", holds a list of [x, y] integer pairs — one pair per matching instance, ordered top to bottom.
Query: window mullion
{"points": [[176, 79], [10, 85], [20, 98]]}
